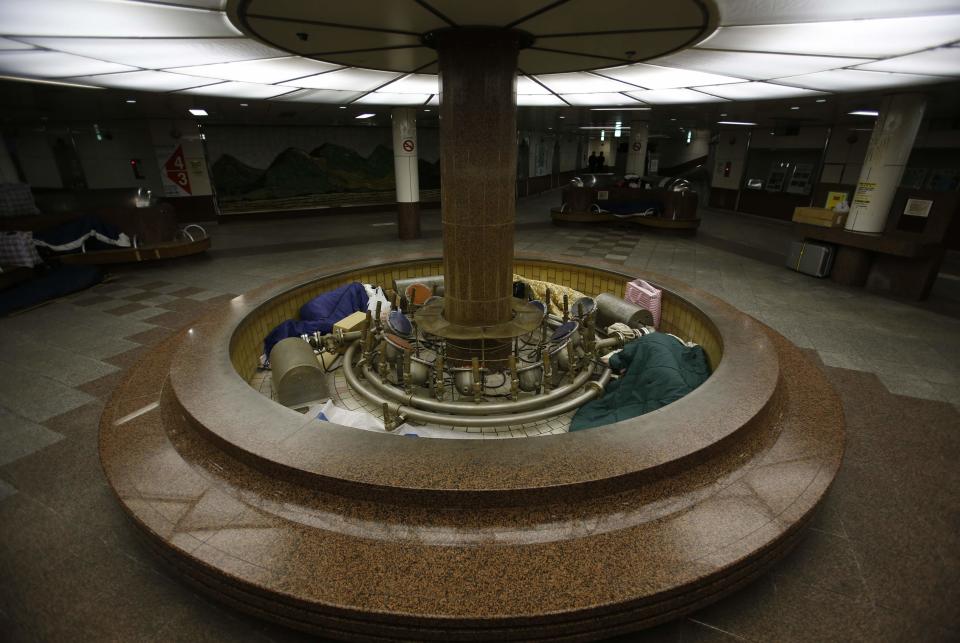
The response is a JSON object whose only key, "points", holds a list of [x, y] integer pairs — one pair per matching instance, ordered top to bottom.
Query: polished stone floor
{"points": [[882, 562]]}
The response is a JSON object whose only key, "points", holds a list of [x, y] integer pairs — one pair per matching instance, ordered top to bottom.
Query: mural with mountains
{"points": [[329, 168]]}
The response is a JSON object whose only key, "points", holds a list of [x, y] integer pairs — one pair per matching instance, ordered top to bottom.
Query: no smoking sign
{"points": [[408, 145]]}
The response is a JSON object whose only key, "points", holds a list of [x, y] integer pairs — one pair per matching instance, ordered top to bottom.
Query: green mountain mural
{"points": [[328, 168]]}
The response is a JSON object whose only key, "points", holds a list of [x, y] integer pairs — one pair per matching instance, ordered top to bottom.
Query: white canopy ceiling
{"points": [[760, 49]]}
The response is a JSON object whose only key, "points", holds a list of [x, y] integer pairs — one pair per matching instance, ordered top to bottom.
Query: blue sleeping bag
{"points": [[320, 314]]}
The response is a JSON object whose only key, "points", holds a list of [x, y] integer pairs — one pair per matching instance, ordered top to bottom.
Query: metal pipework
{"points": [[566, 308], [612, 309], [382, 359], [514, 379], [407, 380], [477, 382], [547, 382], [438, 385], [594, 389], [470, 408]]}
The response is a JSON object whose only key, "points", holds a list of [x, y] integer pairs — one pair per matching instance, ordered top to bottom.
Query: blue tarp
{"points": [[320, 314]]}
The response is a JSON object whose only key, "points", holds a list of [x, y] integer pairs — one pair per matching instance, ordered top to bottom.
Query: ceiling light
{"points": [[737, 12], [109, 18], [877, 38], [6, 43], [160, 53], [945, 61], [52, 64], [753, 65], [269, 71], [653, 77], [361, 80], [846, 80], [155, 81], [48, 82], [582, 83], [415, 84], [526, 85], [239, 90], [756, 91], [329, 96], [674, 96], [390, 98], [601, 98], [539, 100], [821, 100], [131, 101], [244, 105], [343, 107], [795, 107], [619, 109], [427, 110], [198, 112], [865, 112], [722, 114], [365, 116], [562, 117], [673, 119], [735, 123], [599, 127], [602, 134]]}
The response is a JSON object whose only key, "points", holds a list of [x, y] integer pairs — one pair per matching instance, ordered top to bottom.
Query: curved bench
{"points": [[584, 535]]}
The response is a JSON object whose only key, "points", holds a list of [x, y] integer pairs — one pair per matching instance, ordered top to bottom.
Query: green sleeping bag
{"points": [[659, 370]]}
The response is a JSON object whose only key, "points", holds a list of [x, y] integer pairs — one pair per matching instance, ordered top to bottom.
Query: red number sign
{"points": [[176, 170]]}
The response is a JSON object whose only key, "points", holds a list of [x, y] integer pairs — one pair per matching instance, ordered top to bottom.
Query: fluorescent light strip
{"points": [[740, 12], [620, 109], [198, 112], [864, 112], [362, 116], [735, 123]]}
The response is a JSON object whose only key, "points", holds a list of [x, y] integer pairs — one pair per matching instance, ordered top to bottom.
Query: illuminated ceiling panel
{"points": [[765, 12], [110, 18], [863, 38], [6, 43], [161, 53], [944, 61], [51, 64], [752, 65], [271, 70], [653, 77], [355, 79], [847, 80], [150, 81], [582, 83], [415, 84], [526, 85], [239, 90], [756, 91], [331, 96], [673, 96], [387, 98], [599, 99], [539, 100]]}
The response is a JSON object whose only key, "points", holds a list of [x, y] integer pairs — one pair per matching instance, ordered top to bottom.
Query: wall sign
{"points": [[176, 170], [917, 208]]}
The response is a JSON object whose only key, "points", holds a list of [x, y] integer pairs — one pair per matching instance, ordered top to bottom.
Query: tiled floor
{"points": [[881, 563]]}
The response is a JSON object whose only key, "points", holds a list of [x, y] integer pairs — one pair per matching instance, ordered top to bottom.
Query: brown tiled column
{"points": [[478, 166]]}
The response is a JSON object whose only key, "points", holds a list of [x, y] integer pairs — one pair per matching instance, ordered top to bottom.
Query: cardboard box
{"points": [[819, 216], [352, 322]]}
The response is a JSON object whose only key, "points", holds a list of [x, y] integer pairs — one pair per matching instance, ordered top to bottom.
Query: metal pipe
{"points": [[594, 390], [468, 408]]}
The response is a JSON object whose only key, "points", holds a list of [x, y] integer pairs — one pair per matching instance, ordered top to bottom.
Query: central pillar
{"points": [[478, 166]]}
